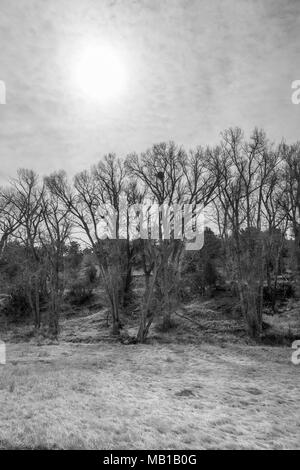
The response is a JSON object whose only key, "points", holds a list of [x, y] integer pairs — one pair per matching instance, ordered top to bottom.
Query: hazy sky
{"points": [[194, 68]]}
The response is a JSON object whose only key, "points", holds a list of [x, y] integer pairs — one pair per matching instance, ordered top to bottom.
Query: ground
{"points": [[203, 386], [111, 396]]}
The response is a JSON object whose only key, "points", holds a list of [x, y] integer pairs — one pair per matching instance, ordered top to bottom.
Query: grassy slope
{"points": [[202, 385], [151, 396]]}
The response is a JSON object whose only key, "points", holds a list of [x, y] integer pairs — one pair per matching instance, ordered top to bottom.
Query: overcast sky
{"points": [[194, 68]]}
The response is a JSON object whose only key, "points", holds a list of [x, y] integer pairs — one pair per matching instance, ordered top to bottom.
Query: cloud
{"points": [[195, 68]]}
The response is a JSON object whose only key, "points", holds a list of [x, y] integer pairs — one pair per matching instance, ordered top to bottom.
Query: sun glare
{"points": [[99, 73]]}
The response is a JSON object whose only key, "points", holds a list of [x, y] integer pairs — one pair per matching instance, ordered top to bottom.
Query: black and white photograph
{"points": [[149, 228]]}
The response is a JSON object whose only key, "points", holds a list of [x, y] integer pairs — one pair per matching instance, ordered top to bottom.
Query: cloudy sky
{"points": [[194, 67]]}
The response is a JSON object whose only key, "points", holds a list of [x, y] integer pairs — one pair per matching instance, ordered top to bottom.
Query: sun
{"points": [[99, 73]]}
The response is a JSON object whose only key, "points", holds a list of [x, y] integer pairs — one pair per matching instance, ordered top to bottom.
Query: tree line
{"points": [[250, 188]]}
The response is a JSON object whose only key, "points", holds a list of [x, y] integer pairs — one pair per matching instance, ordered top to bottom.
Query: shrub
{"points": [[91, 273], [203, 279], [80, 293], [17, 305]]}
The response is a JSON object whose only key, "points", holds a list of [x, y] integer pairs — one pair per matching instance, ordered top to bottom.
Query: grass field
{"points": [[155, 396]]}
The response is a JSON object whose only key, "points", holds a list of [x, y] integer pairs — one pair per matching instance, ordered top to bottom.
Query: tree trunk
{"points": [[297, 256], [127, 295], [37, 304], [55, 304], [251, 304], [147, 314]]}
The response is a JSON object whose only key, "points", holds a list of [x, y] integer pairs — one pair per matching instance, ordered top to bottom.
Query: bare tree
{"points": [[243, 169], [160, 172], [169, 177], [29, 195], [85, 199], [290, 200], [11, 213], [275, 223], [53, 236]]}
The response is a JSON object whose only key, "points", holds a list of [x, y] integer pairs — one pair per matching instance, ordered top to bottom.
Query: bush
{"points": [[91, 273], [210, 274], [203, 279], [284, 290], [80, 293], [17, 305]]}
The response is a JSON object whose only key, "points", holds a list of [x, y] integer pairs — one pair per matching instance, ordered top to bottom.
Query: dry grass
{"points": [[200, 386], [171, 396]]}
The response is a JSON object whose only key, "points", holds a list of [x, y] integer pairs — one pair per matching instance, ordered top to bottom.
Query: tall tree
{"points": [[243, 168], [29, 194], [290, 200], [87, 201], [53, 237]]}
